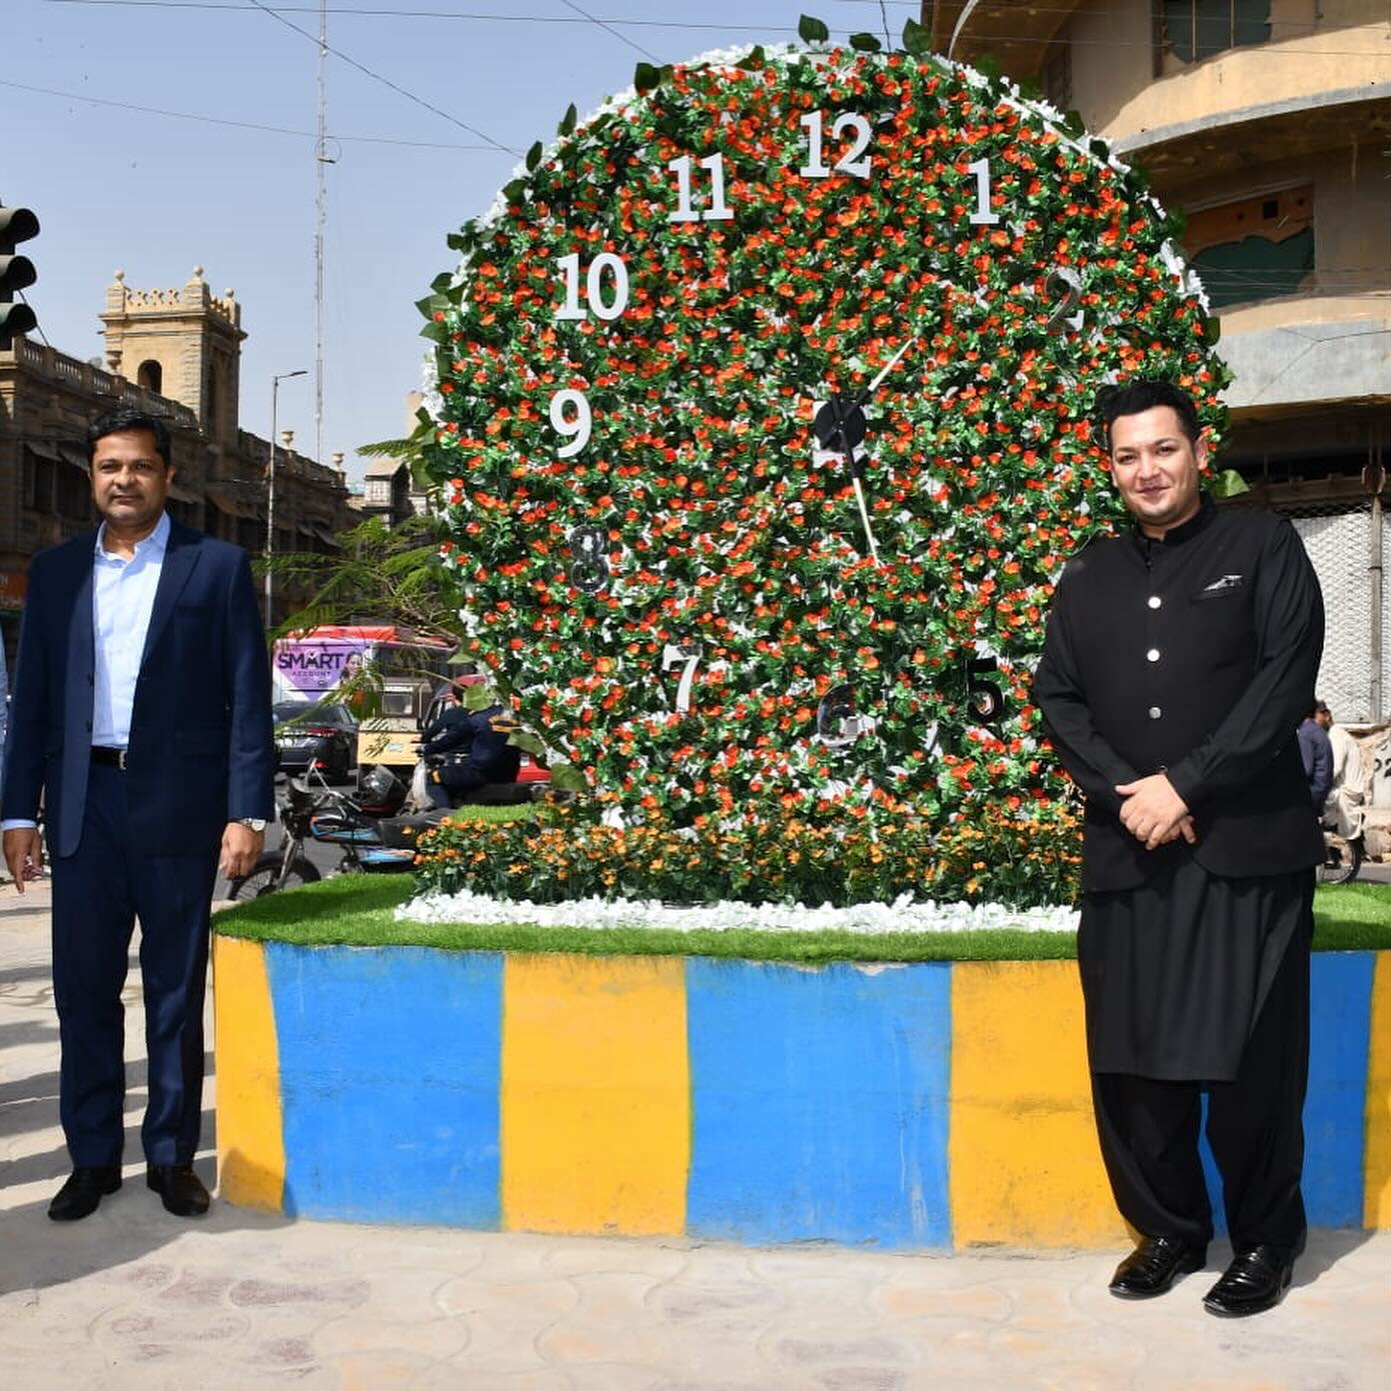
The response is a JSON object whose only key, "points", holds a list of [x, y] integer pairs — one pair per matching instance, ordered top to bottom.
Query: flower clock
{"points": [[762, 427]]}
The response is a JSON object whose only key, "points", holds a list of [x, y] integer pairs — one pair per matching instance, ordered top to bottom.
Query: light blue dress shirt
{"points": [[123, 599]]}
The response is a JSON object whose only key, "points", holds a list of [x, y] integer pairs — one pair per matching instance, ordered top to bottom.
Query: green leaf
{"points": [[811, 30], [917, 39], [865, 43], [756, 59], [646, 77], [567, 121], [1073, 125], [533, 156], [514, 191], [442, 282], [431, 304], [1212, 330], [436, 333], [1229, 483], [460, 659], [478, 697], [529, 743], [565, 777]]}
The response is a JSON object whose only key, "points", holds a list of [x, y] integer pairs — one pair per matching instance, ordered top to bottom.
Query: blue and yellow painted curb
{"points": [[900, 1106]]}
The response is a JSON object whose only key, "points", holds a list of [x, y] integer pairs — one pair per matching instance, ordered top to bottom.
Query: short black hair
{"points": [[1145, 394], [125, 418]]}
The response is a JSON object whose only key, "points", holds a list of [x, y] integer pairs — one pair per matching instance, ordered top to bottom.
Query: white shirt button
{"points": [[1154, 601], [1152, 655], [1155, 712]]}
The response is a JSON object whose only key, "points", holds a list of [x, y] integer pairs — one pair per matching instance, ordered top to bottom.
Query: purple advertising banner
{"points": [[307, 667]]}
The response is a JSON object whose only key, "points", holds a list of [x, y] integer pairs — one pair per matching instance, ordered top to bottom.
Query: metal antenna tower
{"points": [[321, 160]]}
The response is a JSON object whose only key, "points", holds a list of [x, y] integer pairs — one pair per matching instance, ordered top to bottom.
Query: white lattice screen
{"points": [[1339, 545]]}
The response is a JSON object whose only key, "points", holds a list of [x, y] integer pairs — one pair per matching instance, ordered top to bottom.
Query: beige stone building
{"points": [[175, 353]]}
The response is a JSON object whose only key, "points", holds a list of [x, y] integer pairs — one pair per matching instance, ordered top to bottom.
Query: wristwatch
{"points": [[255, 824]]}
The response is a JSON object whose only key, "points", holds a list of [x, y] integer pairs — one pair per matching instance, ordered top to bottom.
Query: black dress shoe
{"points": [[180, 1188], [83, 1191], [1153, 1266], [1255, 1281]]}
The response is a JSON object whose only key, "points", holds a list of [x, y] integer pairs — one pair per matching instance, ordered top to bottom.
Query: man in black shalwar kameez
{"points": [[1179, 660]]}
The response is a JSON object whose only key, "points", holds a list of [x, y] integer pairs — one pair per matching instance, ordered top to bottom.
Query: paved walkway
{"points": [[134, 1298]]}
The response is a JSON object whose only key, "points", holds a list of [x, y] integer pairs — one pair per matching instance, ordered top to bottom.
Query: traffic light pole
{"points": [[16, 273]]}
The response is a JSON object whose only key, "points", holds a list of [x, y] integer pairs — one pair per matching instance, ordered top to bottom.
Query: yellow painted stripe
{"points": [[596, 1110], [250, 1133], [1024, 1161], [1377, 1193]]}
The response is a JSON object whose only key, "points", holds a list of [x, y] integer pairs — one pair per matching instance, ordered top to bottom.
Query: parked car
{"points": [[322, 736]]}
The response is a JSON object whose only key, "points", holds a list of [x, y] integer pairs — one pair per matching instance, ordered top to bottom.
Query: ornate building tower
{"points": [[183, 344]]}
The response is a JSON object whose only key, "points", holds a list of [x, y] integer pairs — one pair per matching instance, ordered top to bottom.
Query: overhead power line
{"points": [[378, 12], [609, 29], [385, 81], [243, 125]]}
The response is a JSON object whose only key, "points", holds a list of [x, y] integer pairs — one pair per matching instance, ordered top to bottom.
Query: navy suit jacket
{"points": [[201, 744]]}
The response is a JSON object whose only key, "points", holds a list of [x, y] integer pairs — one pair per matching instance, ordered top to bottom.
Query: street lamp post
{"points": [[270, 484]]}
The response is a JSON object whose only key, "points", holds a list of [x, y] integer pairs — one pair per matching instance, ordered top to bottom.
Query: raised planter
{"points": [[907, 1106]]}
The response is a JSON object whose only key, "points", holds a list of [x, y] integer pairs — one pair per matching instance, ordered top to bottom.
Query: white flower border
{"points": [[861, 920]]}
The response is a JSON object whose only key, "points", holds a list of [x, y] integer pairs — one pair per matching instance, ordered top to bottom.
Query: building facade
{"points": [[175, 353]]}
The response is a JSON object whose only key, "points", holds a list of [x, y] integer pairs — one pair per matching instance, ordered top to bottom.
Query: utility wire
{"points": [[367, 12], [608, 28], [385, 81], [242, 125]]}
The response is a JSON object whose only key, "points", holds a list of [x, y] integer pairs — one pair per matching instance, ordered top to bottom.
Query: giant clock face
{"points": [[655, 365]]}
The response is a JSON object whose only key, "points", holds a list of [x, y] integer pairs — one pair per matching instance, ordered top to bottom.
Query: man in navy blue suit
{"points": [[141, 717]]}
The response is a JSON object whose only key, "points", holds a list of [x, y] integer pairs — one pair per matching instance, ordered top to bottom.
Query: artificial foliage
{"points": [[700, 532], [864, 852]]}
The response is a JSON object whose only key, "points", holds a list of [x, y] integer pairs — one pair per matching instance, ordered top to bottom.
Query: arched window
{"points": [[151, 376]]}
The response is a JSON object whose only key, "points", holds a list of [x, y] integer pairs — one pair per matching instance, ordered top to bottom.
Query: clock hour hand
{"points": [[840, 426]]}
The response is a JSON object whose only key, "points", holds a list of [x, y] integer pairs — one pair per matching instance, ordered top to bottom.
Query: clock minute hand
{"points": [[847, 423]]}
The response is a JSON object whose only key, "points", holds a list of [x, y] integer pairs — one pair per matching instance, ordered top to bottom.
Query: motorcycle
{"points": [[332, 817], [1342, 858]]}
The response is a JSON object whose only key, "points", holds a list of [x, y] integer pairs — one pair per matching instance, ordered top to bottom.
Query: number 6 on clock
{"points": [[578, 428]]}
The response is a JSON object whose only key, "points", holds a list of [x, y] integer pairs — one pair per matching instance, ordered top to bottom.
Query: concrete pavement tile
{"points": [[638, 1256], [272, 1294], [544, 1300], [977, 1303], [733, 1306], [440, 1338], [385, 1370], [613, 1376], [466, 1379]]}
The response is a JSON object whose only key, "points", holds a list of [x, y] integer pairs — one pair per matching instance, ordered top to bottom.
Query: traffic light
{"points": [[16, 273]]}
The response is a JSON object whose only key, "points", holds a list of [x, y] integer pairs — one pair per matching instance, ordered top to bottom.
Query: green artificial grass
{"points": [[356, 910]]}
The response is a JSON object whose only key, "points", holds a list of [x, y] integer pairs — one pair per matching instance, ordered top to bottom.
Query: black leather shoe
{"points": [[180, 1188], [84, 1190], [1153, 1266], [1255, 1281]]}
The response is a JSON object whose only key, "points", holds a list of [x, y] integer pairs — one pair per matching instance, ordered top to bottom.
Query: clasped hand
{"points": [[1154, 813]]}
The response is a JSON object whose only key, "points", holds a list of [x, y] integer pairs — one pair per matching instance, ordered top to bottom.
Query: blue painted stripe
{"points": [[1340, 1020], [389, 1066], [819, 1102], [1335, 1112]]}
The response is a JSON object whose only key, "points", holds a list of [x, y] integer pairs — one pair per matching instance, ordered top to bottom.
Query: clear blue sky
{"points": [[156, 194]]}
